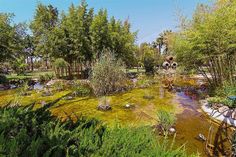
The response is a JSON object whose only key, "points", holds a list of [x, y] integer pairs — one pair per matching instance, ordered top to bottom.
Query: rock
{"points": [[2, 87], [46, 94], [149, 97], [69, 98], [129, 106], [104, 107], [223, 109], [227, 113], [233, 115], [172, 130], [201, 137]]}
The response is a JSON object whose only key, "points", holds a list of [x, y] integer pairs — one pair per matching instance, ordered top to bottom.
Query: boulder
{"points": [[104, 107], [223, 109], [228, 113], [233, 115]]}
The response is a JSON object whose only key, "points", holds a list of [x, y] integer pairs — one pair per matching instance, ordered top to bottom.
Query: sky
{"points": [[148, 17]]}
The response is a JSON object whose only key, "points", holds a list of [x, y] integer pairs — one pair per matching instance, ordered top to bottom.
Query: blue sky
{"points": [[148, 17]]}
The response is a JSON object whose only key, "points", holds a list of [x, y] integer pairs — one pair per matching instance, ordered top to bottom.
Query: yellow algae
{"points": [[143, 113]]}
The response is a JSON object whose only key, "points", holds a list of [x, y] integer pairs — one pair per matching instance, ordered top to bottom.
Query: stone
{"points": [[149, 97], [69, 98], [129, 106], [104, 107], [223, 109], [228, 113], [233, 115], [172, 130], [201, 137]]}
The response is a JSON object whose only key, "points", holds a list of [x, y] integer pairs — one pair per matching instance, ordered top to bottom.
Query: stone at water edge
{"points": [[127, 105], [104, 107], [223, 109], [228, 113], [233, 115], [172, 130], [201, 137]]}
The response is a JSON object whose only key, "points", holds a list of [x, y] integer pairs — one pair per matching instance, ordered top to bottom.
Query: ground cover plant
{"points": [[25, 132]]}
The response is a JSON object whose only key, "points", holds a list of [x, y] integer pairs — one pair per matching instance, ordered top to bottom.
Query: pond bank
{"points": [[216, 115]]}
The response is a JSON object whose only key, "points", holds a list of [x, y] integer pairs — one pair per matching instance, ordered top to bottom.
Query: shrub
{"points": [[149, 63], [60, 65], [108, 75], [46, 77], [3, 79], [226, 90], [82, 91], [220, 100], [166, 120], [25, 132]]}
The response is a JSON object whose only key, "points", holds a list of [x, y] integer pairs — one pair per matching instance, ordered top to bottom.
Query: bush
{"points": [[149, 63], [60, 65], [108, 75], [46, 77], [3, 79], [226, 90], [82, 91], [220, 100], [166, 120], [25, 132]]}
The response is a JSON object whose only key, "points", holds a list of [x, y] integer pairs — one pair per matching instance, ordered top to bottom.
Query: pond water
{"points": [[191, 121]]}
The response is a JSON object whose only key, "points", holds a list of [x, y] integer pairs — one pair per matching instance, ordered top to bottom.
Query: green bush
{"points": [[149, 63], [46, 77], [3, 79], [226, 90], [82, 91], [221, 100], [166, 120], [25, 132]]}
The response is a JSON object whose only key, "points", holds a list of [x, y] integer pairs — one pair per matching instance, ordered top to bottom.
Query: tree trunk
{"points": [[32, 63]]}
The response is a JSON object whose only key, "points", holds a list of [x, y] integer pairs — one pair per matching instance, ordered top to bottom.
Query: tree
{"points": [[45, 20], [100, 33], [206, 42], [30, 50]]}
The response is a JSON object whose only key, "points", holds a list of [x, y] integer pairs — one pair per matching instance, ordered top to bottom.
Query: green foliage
{"points": [[45, 20], [11, 38], [205, 42], [148, 56], [60, 63], [149, 64], [19, 66], [108, 75], [45, 77], [3, 79], [82, 90], [225, 90], [220, 100], [166, 120], [25, 132]]}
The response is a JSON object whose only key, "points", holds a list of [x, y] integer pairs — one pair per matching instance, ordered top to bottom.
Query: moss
{"points": [[143, 113]]}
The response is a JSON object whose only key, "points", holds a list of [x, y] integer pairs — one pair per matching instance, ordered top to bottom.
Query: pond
{"points": [[191, 121]]}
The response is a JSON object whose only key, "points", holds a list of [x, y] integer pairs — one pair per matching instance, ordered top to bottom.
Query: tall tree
{"points": [[45, 20], [100, 33]]}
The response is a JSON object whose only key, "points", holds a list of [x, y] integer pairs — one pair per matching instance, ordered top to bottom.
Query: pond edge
{"points": [[215, 115]]}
